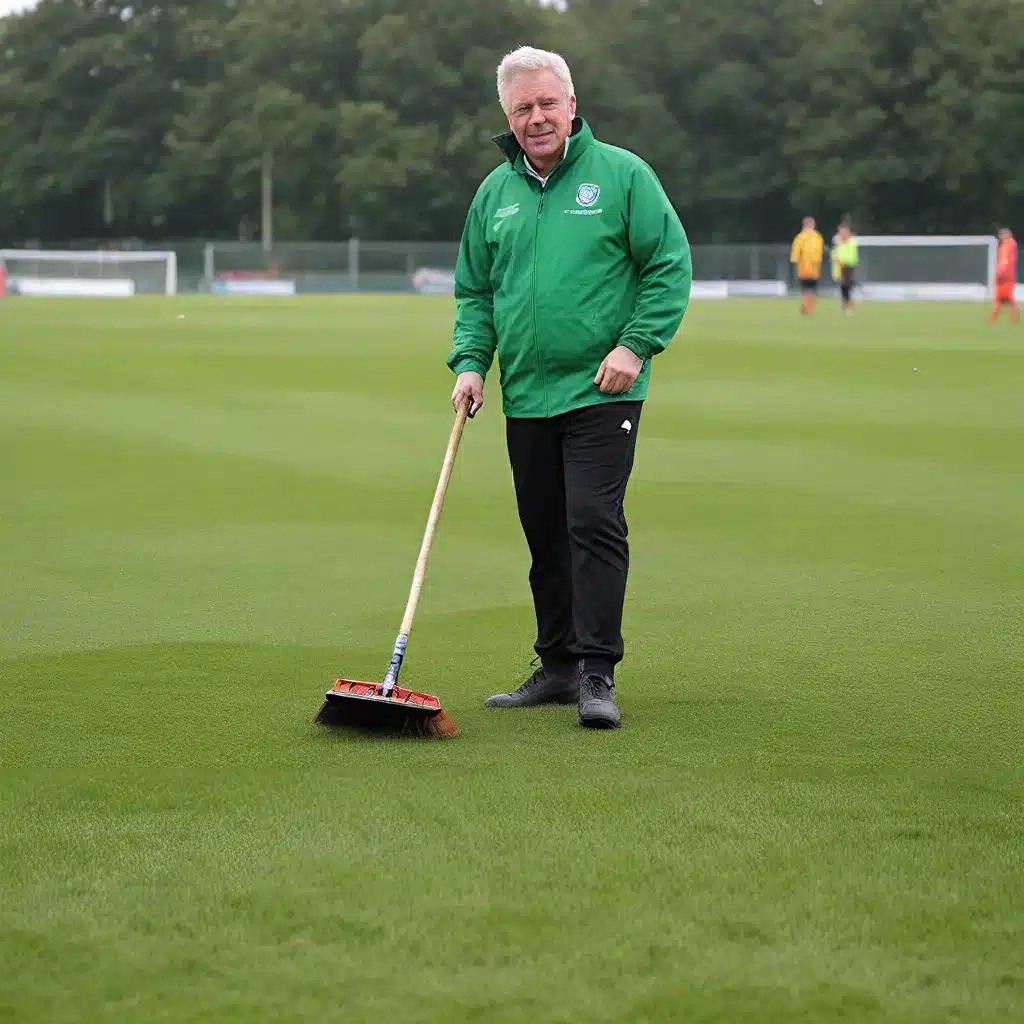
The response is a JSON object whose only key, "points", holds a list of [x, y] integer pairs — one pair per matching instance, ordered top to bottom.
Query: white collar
{"points": [[543, 179]]}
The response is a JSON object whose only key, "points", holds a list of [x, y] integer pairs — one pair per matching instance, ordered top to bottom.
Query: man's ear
{"points": [[572, 106]]}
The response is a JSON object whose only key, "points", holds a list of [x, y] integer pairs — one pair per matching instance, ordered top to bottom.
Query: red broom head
{"points": [[362, 706]]}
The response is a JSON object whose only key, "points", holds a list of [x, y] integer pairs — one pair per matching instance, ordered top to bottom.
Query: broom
{"points": [[385, 707]]}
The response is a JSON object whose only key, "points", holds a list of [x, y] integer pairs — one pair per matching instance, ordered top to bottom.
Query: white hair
{"points": [[529, 58]]}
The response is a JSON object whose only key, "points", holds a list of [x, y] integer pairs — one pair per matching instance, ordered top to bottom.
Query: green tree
{"points": [[87, 92], [909, 115], [153, 117]]}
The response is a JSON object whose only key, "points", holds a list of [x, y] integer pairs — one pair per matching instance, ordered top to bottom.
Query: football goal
{"points": [[945, 268], [44, 272]]}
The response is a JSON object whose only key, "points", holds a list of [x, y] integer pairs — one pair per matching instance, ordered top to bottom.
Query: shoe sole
{"points": [[574, 699], [599, 722]]}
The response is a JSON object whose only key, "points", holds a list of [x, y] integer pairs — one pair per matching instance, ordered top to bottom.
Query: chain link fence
{"points": [[356, 265], [393, 266]]}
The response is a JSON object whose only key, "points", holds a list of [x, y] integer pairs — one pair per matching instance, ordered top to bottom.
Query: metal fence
{"points": [[741, 262], [354, 265], [357, 265], [386, 266], [391, 266]]}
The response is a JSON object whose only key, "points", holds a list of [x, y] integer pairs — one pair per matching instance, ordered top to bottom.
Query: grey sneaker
{"points": [[541, 688], [598, 709]]}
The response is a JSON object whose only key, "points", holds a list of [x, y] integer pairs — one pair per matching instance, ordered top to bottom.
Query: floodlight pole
{"points": [[267, 200], [108, 203]]}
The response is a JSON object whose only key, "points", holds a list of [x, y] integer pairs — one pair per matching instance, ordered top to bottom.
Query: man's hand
{"points": [[619, 371], [471, 384]]}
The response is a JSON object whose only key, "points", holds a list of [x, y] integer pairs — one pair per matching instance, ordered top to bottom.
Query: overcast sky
{"points": [[10, 6]]}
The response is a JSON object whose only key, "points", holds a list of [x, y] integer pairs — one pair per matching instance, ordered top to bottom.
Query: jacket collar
{"points": [[580, 137]]}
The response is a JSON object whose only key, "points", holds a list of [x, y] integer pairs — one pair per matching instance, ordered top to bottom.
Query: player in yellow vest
{"points": [[807, 251], [845, 259]]}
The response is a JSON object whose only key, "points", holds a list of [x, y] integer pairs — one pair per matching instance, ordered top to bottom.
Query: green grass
{"points": [[813, 813]]}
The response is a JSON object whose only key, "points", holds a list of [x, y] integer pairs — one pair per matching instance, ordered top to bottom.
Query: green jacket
{"points": [[554, 277]]}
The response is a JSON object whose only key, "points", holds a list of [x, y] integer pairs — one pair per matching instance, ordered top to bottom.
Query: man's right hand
{"points": [[472, 384]]}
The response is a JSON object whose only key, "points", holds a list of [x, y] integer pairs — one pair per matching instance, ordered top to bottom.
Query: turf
{"points": [[813, 813]]}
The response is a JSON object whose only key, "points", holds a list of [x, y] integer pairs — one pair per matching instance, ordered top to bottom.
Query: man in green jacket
{"points": [[575, 270]]}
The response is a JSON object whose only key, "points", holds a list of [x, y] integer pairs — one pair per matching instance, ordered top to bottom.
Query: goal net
{"points": [[945, 268], [44, 272]]}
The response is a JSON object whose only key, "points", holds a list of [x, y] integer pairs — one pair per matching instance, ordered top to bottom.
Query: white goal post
{"points": [[942, 268], [106, 273]]}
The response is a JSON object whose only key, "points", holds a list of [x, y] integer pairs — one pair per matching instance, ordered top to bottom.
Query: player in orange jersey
{"points": [[806, 254], [1006, 277]]}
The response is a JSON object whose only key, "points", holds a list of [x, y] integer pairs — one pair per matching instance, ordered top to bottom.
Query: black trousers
{"points": [[846, 283], [570, 474]]}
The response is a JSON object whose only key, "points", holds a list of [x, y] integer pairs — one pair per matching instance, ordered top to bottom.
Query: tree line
{"points": [[152, 118]]}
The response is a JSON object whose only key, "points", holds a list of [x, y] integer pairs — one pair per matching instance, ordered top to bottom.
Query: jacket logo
{"points": [[586, 195], [506, 211]]}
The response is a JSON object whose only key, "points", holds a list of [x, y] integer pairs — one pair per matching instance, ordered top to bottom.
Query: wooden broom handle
{"points": [[435, 514]]}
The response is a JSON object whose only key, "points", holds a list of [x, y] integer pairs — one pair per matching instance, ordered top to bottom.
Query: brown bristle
{"points": [[386, 718], [442, 727]]}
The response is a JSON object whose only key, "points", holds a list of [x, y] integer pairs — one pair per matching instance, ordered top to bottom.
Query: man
{"points": [[806, 254], [845, 259], [575, 269], [1006, 277]]}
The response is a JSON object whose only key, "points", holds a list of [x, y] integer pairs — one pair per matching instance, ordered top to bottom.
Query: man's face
{"points": [[540, 115], [808, 223]]}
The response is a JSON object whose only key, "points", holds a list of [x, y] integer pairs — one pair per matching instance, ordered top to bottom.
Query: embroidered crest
{"points": [[586, 195]]}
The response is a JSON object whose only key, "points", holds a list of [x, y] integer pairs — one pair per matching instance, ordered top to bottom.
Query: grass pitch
{"points": [[814, 811]]}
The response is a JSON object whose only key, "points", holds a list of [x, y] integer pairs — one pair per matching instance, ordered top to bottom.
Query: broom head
{"points": [[357, 705]]}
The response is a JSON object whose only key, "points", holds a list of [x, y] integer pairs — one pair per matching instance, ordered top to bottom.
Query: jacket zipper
{"points": [[536, 331]]}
